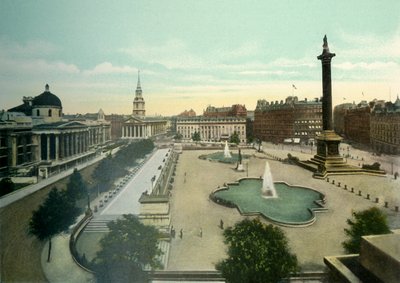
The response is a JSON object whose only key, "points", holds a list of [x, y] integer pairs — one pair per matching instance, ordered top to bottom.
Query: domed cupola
{"points": [[47, 99], [46, 107]]}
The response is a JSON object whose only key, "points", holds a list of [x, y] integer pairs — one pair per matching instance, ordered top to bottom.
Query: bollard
{"points": [[327, 179], [333, 182], [338, 184], [345, 187], [352, 190], [359, 193], [367, 196], [376, 200], [386, 204], [396, 208]]}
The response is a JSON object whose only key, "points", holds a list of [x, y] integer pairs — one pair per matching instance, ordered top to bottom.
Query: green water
{"points": [[291, 206]]}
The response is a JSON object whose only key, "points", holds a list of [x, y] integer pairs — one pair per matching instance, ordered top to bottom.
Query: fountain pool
{"points": [[294, 206]]}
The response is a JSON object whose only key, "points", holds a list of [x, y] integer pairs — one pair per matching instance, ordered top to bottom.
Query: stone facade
{"points": [[235, 110], [339, 113], [292, 119], [357, 123], [385, 128], [211, 129], [36, 140]]}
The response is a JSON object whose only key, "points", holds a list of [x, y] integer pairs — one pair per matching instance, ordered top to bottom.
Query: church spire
{"points": [[138, 87], [138, 101]]}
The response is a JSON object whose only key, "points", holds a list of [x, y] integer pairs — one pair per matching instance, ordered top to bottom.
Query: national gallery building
{"points": [[35, 139]]}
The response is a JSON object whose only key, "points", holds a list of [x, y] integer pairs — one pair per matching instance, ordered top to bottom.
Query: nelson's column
{"points": [[328, 157]]}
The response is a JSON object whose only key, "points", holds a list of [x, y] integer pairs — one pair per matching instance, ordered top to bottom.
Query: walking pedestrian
{"points": [[221, 224], [181, 233], [201, 233]]}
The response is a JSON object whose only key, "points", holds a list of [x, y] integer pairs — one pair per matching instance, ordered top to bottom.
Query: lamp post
{"points": [[247, 167]]}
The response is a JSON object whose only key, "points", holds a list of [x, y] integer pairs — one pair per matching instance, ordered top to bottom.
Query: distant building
{"points": [[235, 110], [339, 112], [186, 113], [289, 121], [116, 122], [357, 123], [138, 126], [385, 127], [210, 128], [35, 139]]}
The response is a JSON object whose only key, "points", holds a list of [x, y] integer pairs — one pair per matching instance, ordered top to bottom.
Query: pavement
{"points": [[191, 209], [62, 267]]}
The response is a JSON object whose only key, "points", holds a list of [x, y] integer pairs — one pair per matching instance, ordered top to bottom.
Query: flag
{"points": [[294, 86]]}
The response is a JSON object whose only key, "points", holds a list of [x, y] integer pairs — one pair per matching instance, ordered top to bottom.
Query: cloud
{"points": [[371, 45], [33, 48], [374, 66], [108, 68]]}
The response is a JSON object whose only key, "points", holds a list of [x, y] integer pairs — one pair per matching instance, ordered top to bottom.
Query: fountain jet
{"points": [[227, 154], [268, 188]]}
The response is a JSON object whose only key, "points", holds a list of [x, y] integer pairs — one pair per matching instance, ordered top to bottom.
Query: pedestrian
{"points": [[221, 224], [181, 233], [201, 233]]}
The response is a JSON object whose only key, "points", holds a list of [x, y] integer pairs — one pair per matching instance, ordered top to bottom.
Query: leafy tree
{"points": [[178, 136], [196, 136], [234, 138], [6, 186], [76, 187], [53, 216], [371, 221], [126, 250], [256, 253]]}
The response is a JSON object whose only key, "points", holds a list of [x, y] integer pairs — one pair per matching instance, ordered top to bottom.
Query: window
{"points": [[37, 112], [49, 112]]}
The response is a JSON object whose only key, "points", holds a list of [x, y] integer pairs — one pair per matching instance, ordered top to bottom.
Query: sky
{"points": [[192, 54]]}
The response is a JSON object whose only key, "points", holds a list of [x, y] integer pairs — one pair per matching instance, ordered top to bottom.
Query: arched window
{"points": [[37, 112], [49, 112], [59, 113]]}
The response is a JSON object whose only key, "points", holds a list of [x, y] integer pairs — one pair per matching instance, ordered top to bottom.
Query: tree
{"points": [[178, 136], [196, 136], [234, 138], [6, 186], [76, 187], [53, 216], [371, 221], [126, 250], [256, 253]]}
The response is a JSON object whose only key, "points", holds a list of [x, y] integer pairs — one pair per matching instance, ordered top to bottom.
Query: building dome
{"points": [[46, 99]]}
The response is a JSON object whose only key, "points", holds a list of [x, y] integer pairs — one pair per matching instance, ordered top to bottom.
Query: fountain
{"points": [[227, 154], [268, 187], [296, 206]]}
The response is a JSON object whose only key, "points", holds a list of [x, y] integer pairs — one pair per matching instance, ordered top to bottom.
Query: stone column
{"points": [[326, 58], [13, 140], [57, 144], [48, 147]]}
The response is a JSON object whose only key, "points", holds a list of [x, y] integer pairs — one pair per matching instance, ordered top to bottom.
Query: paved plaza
{"points": [[192, 210]]}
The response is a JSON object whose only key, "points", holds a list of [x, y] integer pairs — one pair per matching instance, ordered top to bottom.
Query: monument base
{"points": [[328, 161], [240, 167]]}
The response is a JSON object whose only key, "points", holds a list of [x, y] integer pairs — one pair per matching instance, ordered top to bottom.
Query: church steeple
{"points": [[138, 87], [138, 102]]}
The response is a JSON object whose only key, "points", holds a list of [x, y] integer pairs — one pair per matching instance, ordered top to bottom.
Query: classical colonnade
{"points": [[143, 131], [59, 145]]}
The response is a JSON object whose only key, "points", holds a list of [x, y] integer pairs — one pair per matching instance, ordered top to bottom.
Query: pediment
{"points": [[133, 120]]}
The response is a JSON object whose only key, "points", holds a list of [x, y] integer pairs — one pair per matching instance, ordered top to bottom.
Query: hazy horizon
{"points": [[195, 53]]}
